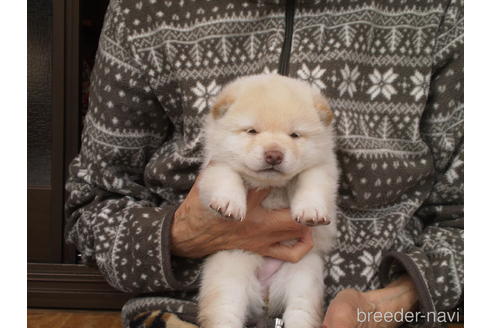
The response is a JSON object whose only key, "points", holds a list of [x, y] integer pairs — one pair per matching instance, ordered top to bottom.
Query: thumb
{"points": [[256, 196], [295, 252]]}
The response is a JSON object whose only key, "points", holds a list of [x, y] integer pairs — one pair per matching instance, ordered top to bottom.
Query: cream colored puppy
{"points": [[268, 131]]}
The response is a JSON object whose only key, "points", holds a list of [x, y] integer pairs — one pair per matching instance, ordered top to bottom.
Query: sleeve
{"points": [[111, 215], [436, 263]]}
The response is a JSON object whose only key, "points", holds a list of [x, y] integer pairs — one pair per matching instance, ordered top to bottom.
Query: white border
{"points": [[13, 136]]}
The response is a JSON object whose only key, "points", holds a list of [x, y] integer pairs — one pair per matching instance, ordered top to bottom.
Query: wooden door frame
{"points": [[66, 106], [59, 282]]}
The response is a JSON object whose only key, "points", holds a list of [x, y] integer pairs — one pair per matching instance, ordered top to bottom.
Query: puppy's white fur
{"points": [[292, 118]]}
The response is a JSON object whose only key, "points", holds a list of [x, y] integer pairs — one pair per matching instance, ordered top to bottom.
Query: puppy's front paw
{"points": [[229, 207], [310, 214]]}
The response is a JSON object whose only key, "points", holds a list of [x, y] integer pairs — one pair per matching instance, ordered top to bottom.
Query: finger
{"points": [[256, 196], [279, 217], [281, 220], [299, 232], [283, 236], [308, 237], [289, 253], [292, 253], [326, 319]]}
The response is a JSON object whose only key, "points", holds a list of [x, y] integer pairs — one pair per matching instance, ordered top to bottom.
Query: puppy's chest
{"points": [[276, 199]]}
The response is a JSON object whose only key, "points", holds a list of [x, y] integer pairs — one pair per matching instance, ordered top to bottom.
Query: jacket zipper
{"points": [[290, 6]]}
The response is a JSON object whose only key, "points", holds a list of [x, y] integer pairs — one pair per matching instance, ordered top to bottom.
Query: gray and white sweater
{"points": [[393, 72]]}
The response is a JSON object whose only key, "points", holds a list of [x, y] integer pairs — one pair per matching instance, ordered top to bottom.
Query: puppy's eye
{"points": [[251, 131], [294, 135]]}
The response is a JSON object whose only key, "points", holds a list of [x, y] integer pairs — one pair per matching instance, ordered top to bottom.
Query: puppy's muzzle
{"points": [[274, 157]]}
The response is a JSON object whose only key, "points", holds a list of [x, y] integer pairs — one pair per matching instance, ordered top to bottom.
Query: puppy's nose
{"points": [[274, 157]]}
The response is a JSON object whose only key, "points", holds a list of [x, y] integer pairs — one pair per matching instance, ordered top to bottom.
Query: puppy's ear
{"points": [[222, 103], [324, 111]]}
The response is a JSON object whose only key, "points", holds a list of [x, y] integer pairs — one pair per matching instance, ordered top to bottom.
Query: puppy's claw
{"points": [[217, 209], [227, 209]]}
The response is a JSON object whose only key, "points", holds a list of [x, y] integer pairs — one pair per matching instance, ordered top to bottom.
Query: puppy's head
{"points": [[269, 128]]}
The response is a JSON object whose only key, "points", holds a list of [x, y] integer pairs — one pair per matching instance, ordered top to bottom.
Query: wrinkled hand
{"points": [[197, 232], [350, 308], [343, 309]]}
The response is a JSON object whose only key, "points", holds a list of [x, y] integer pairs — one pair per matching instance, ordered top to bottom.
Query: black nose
{"points": [[274, 157]]}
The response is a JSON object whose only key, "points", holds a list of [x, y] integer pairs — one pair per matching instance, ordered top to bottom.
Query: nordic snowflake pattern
{"points": [[313, 76], [349, 78], [382, 84], [421, 85], [204, 95], [399, 130]]}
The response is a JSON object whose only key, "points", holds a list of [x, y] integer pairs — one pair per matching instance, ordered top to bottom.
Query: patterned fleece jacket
{"points": [[393, 73]]}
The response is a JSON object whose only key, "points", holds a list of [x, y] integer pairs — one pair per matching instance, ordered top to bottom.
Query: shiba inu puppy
{"points": [[269, 131]]}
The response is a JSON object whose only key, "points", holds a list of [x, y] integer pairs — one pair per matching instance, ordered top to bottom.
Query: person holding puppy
{"points": [[393, 76]]}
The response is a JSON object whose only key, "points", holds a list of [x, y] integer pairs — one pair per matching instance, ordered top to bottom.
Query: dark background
{"points": [[62, 38]]}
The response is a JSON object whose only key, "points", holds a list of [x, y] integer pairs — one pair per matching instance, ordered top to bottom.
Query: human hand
{"points": [[197, 232], [351, 308]]}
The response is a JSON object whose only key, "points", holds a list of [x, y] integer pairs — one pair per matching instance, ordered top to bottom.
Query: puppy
{"points": [[268, 131]]}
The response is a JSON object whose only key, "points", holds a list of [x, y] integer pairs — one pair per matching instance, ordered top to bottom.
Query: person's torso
{"points": [[371, 59]]}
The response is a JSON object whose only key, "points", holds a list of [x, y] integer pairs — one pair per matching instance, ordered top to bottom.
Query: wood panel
{"points": [[39, 93], [59, 98], [44, 225], [42, 233], [51, 283], [71, 286], [72, 319]]}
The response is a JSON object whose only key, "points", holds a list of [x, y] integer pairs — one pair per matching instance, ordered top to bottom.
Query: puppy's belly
{"points": [[266, 272]]}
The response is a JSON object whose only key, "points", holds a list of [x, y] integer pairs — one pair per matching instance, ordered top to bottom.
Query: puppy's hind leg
{"points": [[300, 285], [229, 289]]}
